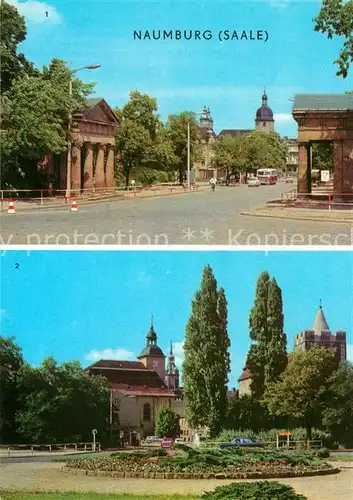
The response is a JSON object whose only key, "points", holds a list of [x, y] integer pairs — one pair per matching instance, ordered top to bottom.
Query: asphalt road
{"points": [[195, 218]]}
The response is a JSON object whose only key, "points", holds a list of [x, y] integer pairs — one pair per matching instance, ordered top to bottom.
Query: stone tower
{"points": [[264, 116], [206, 121], [320, 335], [152, 356], [172, 372]]}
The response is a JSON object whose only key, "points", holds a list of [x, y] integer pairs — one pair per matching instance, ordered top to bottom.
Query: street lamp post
{"points": [[69, 145], [188, 155]]}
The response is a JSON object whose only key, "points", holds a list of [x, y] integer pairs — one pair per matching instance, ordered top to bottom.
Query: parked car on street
{"points": [[253, 182], [179, 441], [243, 442]]}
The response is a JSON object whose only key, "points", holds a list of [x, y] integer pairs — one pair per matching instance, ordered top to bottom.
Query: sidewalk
{"points": [[60, 202], [283, 212]]}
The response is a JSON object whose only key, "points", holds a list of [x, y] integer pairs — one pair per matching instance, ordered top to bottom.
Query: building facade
{"points": [[204, 168], [138, 388]]}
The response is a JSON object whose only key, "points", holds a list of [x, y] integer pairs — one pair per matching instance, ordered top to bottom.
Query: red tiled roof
{"points": [[116, 364], [245, 375], [130, 377], [142, 391]]}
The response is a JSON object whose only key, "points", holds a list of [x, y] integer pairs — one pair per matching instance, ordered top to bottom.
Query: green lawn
{"points": [[88, 496]]}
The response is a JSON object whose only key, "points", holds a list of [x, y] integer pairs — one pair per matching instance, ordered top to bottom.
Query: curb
{"points": [[39, 208], [294, 217], [191, 475]]}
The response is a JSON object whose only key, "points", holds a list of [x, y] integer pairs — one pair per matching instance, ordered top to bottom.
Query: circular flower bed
{"points": [[206, 464]]}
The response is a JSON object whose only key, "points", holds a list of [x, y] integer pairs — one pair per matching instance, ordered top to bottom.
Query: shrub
{"points": [[323, 453], [266, 490]]}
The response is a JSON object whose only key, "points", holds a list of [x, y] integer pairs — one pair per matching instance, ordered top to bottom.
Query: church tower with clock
{"points": [[152, 356]]}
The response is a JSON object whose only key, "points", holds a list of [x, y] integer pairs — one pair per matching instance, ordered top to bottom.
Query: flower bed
{"points": [[191, 463]]}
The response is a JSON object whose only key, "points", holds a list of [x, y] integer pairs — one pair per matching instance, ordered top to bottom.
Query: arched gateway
{"points": [[325, 117]]}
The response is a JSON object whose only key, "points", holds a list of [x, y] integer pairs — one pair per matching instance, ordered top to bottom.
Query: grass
{"points": [[88, 496]]}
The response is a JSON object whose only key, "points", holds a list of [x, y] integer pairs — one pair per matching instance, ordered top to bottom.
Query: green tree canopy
{"points": [[336, 19], [14, 65], [35, 119], [176, 131], [230, 154], [267, 356], [207, 360], [11, 361], [302, 391], [60, 403], [338, 415], [167, 422]]}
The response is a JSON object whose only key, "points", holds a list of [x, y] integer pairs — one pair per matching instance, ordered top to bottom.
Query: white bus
{"points": [[267, 175]]}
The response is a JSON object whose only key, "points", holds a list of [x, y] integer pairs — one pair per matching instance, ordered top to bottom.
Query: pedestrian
{"points": [[213, 183]]}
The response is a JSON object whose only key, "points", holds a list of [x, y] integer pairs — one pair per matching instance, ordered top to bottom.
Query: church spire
{"points": [[264, 98]]}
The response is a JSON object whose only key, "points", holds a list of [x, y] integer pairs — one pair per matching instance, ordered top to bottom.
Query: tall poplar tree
{"points": [[267, 357], [207, 360]]}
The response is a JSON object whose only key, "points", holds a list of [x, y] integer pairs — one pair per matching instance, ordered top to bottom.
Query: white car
{"points": [[253, 182], [179, 441]]}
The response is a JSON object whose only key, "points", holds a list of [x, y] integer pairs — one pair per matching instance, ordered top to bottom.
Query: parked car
{"points": [[289, 180], [254, 182], [152, 441], [179, 441], [243, 442]]}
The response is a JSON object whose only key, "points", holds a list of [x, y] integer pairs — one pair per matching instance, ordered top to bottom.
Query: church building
{"points": [[204, 168], [137, 388]]}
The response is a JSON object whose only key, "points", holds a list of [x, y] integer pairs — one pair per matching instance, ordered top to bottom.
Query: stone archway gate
{"points": [[325, 117]]}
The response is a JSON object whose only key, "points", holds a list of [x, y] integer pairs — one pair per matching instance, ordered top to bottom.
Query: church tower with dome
{"points": [[264, 120], [151, 355]]}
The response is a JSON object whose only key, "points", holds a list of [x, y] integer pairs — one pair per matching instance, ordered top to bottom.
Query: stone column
{"points": [[337, 153], [75, 168], [88, 168], [63, 170], [347, 170], [109, 171], [304, 174], [99, 180]]}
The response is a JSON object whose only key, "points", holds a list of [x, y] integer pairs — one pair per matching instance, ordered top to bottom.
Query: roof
{"points": [[92, 101], [323, 102], [264, 113], [234, 132], [320, 323], [151, 350], [114, 364], [246, 374], [126, 377], [142, 391]]}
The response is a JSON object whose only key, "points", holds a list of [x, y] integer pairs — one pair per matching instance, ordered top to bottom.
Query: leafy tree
{"points": [[336, 19], [13, 31], [35, 119], [176, 131], [136, 138], [132, 142], [264, 150], [230, 154], [322, 155], [267, 356], [11, 360], [207, 361], [302, 390], [60, 403], [338, 415], [167, 422]]}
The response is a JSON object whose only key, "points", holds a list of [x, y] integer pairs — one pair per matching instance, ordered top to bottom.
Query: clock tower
{"points": [[152, 356]]}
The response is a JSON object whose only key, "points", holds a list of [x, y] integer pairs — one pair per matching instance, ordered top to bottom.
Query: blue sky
{"points": [[229, 77], [86, 305]]}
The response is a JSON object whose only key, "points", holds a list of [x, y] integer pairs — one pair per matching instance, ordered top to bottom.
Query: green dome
{"points": [[151, 348]]}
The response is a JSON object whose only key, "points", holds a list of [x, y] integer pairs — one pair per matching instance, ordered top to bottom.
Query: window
{"points": [[146, 412]]}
